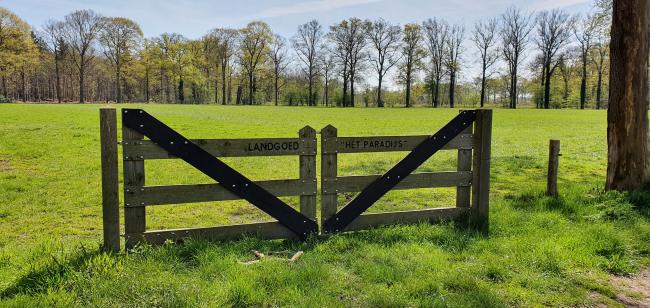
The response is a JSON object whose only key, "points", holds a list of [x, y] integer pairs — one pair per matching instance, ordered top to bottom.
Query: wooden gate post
{"points": [[553, 164], [308, 172], [328, 172], [481, 172], [110, 179], [463, 193], [134, 217]]}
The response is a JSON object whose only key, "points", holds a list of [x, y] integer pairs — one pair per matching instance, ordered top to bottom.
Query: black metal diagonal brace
{"points": [[179, 146], [378, 188]]}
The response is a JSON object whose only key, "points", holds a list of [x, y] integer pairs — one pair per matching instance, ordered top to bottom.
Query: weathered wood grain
{"points": [[393, 143], [147, 149], [464, 163], [553, 166], [329, 170], [307, 172], [134, 177], [110, 179], [415, 180], [192, 193], [480, 209], [263, 230]]}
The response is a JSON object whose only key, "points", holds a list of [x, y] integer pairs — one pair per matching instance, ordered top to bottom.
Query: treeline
{"points": [[89, 57]]}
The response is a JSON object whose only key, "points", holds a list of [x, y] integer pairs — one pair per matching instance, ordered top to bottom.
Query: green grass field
{"points": [[541, 251]]}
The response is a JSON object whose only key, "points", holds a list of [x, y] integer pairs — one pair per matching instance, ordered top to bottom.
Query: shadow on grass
{"points": [[539, 201], [594, 204], [61, 272], [54, 273]]}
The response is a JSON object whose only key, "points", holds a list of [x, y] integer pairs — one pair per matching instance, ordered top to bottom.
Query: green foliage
{"points": [[5, 99], [541, 251]]}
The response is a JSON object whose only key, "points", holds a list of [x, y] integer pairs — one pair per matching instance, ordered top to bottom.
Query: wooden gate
{"points": [[469, 134], [202, 153]]}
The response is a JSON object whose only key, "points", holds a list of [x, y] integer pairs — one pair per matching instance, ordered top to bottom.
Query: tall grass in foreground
{"points": [[540, 250]]}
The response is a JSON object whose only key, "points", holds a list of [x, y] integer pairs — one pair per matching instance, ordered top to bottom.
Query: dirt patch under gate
{"points": [[635, 290]]}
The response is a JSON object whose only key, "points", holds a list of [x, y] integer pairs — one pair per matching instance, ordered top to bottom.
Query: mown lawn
{"points": [[540, 250]]}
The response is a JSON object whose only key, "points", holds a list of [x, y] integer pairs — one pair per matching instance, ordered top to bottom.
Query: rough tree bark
{"points": [[57, 71], [583, 82], [408, 87], [224, 99], [627, 116]]}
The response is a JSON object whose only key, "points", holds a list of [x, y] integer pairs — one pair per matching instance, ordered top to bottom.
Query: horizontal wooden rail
{"points": [[391, 144], [146, 149], [414, 180], [192, 193], [366, 221], [263, 230]]}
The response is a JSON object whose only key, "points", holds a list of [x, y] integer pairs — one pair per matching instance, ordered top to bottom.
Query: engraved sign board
{"points": [[393, 143], [146, 149]]}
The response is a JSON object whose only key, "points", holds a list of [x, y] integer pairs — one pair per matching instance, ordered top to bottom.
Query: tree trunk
{"points": [[57, 71], [82, 71], [583, 83], [23, 84], [118, 85], [146, 85], [162, 85], [4, 86], [229, 87], [276, 87], [408, 87], [483, 87], [547, 87], [250, 88], [311, 88], [432, 88], [216, 89], [351, 89], [452, 89], [181, 90], [326, 90], [599, 90], [513, 91], [195, 93], [239, 94], [565, 96], [224, 99], [436, 100], [540, 101], [344, 102], [380, 102], [627, 116]]}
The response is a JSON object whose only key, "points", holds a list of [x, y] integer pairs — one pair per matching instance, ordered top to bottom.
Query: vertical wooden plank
{"points": [[464, 164], [553, 165], [481, 171], [328, 172], [308, 174], [110, 179], [134, 217]]}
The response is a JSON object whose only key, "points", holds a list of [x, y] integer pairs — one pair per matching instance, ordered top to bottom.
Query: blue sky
{"points": [[193, 18]]}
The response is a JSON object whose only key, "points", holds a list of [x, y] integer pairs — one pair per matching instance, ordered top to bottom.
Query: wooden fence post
{"points": [[553, 164], [308, 172], [328, 172], [481, 172], [110, 179], [463, 193], [134, 217]]}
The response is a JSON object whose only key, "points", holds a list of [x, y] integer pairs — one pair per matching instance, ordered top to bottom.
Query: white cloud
{"points": [[551, 4], [307, 7]]}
